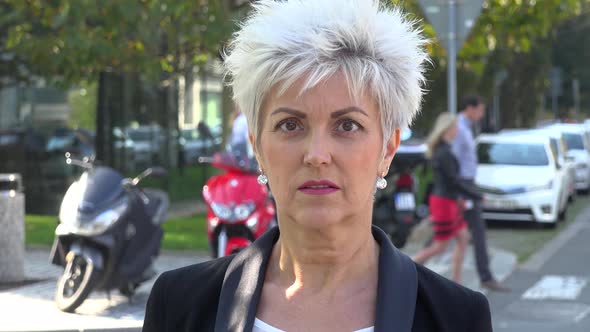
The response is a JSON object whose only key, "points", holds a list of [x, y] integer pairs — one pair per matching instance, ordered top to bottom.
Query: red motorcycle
{"points": [[239, 209]]}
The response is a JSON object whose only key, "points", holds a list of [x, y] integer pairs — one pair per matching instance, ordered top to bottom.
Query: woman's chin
{"points": [[318, 218]]}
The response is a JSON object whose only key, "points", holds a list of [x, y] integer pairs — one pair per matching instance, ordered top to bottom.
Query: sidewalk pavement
{"points": [[32, 308]]}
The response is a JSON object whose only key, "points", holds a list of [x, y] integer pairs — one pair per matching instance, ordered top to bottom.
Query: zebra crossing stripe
{"points": [[556, 288]]}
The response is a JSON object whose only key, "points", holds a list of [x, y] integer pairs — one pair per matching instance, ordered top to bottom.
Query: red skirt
{"points": [[446, 217]]}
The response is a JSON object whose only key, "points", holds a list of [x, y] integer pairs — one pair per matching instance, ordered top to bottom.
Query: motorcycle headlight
{"points": [[546, 186], [221, 211], [243, 211], [106, 219], [103, 221], [252, 223]]}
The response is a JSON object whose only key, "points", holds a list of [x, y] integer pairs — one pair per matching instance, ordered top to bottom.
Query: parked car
{"points": [[76, 141], [147, 142], [196, 144], [578, 145], [22, 150], [124, 150], [566, 162], [566, 166], [519, 177]]}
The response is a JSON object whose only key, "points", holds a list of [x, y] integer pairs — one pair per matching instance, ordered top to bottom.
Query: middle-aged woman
{"points": [[326, 86], [445, 208]]}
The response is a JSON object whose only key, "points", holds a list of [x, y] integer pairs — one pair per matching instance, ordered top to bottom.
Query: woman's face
{"points": [[322, 153]]}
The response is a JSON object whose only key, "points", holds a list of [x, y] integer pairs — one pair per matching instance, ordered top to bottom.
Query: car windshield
{"points": [[190, 134], [141, 136], [574, 141], [60, 142], [512, 154]]}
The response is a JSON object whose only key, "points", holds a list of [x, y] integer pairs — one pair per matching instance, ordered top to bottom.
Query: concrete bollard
{"points": [[12, 229]]}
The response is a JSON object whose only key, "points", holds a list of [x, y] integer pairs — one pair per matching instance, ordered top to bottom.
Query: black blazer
{"points": [[447, 182], [222, 295]]}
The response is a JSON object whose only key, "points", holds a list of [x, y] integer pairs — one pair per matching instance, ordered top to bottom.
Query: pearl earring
{"points": [[262, 179], [381, 183]]}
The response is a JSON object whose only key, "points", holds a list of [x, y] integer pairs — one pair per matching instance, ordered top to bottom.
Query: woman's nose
{"points": [[318, 151]]}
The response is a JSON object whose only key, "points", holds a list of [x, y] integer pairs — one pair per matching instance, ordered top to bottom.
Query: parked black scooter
{"points": [[396, 210], [109, 233]]}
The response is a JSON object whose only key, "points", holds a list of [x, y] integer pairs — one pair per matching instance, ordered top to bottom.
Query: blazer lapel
{"points": [[242, 285], [397, 288]]}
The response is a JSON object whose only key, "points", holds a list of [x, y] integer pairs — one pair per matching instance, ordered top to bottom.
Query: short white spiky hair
{"points": [[378, 49]]}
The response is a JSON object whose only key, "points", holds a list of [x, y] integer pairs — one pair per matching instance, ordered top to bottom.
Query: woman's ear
{"points": [[255, 149], [390, 150]]}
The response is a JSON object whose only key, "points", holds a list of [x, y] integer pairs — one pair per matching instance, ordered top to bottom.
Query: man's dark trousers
{"points": [[478, 233]]}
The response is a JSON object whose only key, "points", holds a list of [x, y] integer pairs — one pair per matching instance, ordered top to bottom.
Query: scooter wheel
{"points": [[75, 284]]}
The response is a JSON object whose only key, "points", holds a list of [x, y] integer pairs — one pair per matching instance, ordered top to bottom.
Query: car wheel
{"points": [[572, 197], [562, 215], [549, 225]]}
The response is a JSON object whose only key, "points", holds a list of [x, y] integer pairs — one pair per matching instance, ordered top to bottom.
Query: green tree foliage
{"points": [[512, 35], [74, 40], [570, 51], [82, 101]]}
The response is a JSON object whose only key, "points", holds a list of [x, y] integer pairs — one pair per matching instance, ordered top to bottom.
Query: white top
{"points": [[260, 326]]}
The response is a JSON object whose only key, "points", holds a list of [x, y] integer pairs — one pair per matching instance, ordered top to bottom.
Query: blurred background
{"points": [[138, 82]]}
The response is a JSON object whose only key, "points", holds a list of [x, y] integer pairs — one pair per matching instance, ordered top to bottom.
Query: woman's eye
{"points": [[289, 125], [348, 126]]}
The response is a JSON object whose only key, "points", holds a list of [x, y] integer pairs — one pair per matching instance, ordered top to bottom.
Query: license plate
{"points": [[405, 201], [499, 204]]}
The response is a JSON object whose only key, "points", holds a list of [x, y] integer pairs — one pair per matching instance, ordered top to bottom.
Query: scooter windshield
{"points": [[238, 156], [103, 188]]}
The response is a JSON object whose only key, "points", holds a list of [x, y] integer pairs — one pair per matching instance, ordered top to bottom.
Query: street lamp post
{"points": [[452, 28], [452, 58]]}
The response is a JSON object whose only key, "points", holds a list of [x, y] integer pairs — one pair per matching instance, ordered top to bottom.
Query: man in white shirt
{"points": [[472, 110]]}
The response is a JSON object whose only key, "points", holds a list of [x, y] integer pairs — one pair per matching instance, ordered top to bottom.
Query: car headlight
{"points": [[546, 186], [221, 211], [243, 211]]}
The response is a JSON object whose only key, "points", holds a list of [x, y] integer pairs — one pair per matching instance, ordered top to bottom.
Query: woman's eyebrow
{"points": [[291, 111], [339, 113], [335, 114]]}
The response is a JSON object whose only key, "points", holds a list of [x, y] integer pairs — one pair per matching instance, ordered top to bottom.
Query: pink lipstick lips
{"points": [[323, 187]]}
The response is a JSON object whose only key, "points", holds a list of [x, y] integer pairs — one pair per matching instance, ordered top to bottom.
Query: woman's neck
{"points": [[324, 261]]}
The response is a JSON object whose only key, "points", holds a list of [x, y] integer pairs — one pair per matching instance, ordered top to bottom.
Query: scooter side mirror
{"points": [[152, 171], [127, 183]]}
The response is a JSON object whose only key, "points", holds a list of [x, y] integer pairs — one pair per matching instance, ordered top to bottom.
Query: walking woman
{"points": [[445, 208]]}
